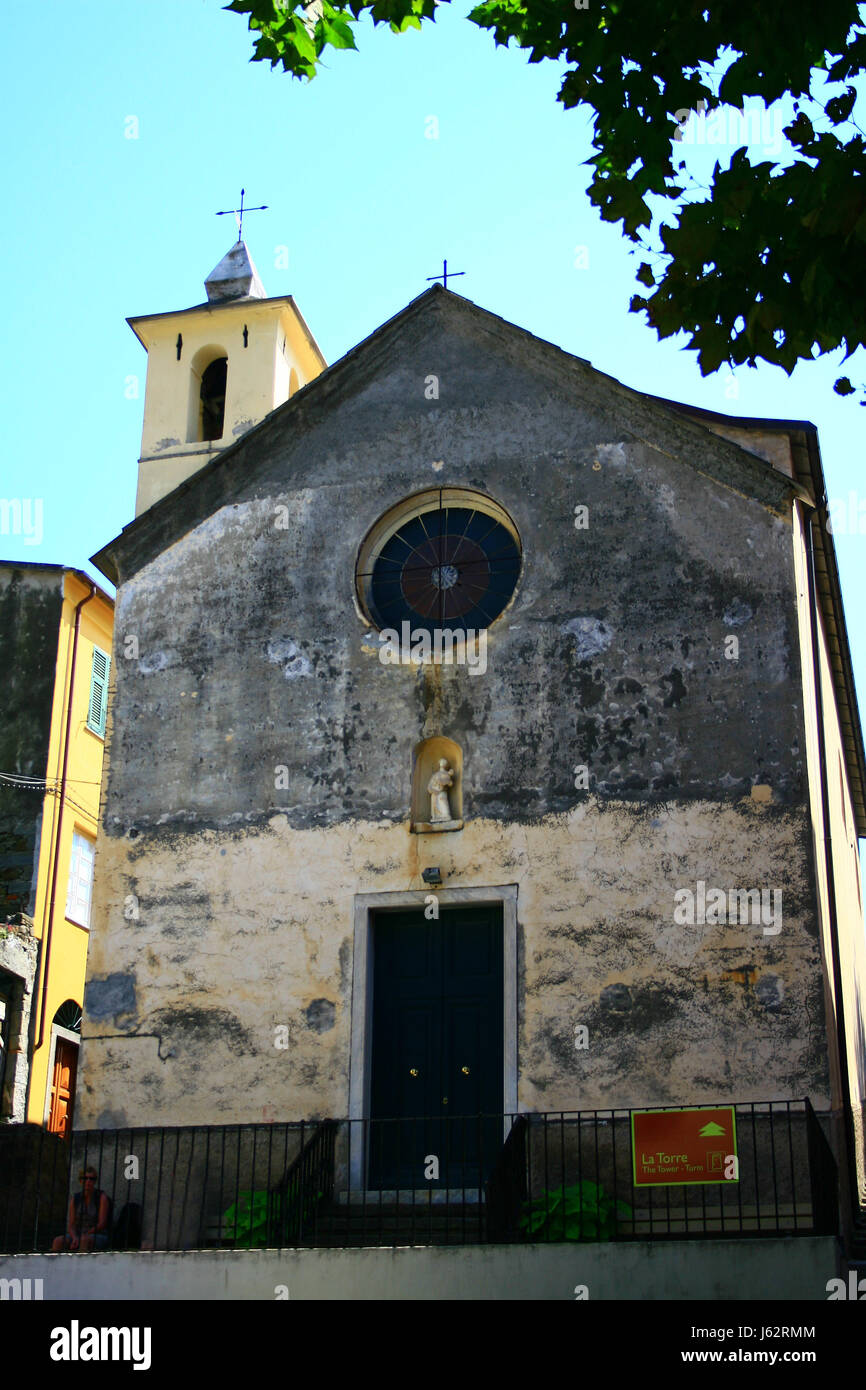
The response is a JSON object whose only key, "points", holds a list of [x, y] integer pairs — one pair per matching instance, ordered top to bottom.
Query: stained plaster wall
{"points": [[31, 599], [253, 656]]}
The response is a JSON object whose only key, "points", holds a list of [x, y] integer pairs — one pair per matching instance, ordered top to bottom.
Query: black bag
{"points": [[127, 1228]]}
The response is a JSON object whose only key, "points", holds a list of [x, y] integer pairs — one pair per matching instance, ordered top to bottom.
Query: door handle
{"points": [[413, 1071], [465, 1071], [444, 1100]]}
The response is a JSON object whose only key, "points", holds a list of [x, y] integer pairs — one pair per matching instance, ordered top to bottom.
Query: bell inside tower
{"points": [[213, 399]]}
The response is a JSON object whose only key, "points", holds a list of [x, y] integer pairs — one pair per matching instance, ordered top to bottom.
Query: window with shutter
{"points": [[98, 707], [80, 880]]}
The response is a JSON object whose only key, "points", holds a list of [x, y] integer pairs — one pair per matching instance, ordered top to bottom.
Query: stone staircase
{"points": [[339, 1225]]}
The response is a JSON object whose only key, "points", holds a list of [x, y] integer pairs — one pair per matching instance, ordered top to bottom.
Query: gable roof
{"points": [[749, 473], [174, 514]]}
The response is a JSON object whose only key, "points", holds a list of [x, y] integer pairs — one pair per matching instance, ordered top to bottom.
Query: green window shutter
{"points": [[98, 692]]}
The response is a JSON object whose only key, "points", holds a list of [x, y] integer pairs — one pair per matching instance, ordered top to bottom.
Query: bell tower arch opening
{"points": [[207, 394]]}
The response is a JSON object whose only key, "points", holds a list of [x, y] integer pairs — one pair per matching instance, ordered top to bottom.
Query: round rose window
{"points": [[447, 559]]}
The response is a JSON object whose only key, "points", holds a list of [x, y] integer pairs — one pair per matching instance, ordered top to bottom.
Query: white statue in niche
{"points": [[437, 788]]}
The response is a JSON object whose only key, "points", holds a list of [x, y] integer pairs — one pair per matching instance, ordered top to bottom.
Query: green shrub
{"points": [[582, 1212], [246, 1221]]}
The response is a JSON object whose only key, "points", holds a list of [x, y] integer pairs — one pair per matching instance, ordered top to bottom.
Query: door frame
{"points": [[68, 1036], [361, 1055]]}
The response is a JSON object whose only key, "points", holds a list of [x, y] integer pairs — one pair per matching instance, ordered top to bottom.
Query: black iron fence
{"points": [[564, 1176]]}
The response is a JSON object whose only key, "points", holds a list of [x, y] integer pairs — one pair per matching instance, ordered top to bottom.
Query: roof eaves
{"points": [[244, 301]]}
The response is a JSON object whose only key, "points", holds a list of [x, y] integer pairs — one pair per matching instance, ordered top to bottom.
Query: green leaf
{"points": [[337, 33], [301, 40], [840, 108], [789, 231], [583, 1211]]}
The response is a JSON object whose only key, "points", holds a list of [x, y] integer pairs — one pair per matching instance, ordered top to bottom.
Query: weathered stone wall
{"points": [[31, 600], [615, 655], [19, 957]]}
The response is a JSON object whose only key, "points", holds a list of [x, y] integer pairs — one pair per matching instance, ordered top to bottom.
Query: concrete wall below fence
{"points": [[773, 1268]]}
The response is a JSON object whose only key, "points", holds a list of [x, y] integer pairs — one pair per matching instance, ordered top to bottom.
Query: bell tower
{"points": [[215, 370]]}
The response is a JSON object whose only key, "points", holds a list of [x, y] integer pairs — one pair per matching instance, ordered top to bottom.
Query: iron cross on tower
{"points": [[239, 214], [445, 273]]}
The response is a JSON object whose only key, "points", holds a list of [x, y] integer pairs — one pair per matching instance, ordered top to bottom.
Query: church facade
{"points": [[482, 735]]}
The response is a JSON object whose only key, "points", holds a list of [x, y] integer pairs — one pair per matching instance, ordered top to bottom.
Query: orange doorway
{"points": [[63, 1087]]}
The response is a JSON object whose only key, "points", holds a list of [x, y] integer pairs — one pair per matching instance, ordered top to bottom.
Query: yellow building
{"points": [[214, 371], [55, 639]]}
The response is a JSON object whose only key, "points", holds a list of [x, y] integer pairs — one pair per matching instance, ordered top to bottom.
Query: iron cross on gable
{"points": [[238, 213], [445, 274]]}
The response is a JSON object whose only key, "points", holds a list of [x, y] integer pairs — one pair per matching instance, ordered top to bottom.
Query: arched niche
{"points": [[207, 394], [426, 759]]}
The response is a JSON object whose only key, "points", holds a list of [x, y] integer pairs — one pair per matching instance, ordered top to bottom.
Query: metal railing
{"points": [[825, 1178], [466, 1180], [580, 1181], [308, 1184], [507, 1188]]}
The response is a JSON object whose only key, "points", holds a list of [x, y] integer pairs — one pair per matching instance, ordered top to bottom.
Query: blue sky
{"points": [[100, 227]]}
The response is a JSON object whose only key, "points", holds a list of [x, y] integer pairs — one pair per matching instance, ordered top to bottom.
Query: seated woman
{"points": [[88, 1219]]}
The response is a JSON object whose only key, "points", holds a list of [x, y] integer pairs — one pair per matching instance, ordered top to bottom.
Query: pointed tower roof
{"points": [[235, 277]]}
